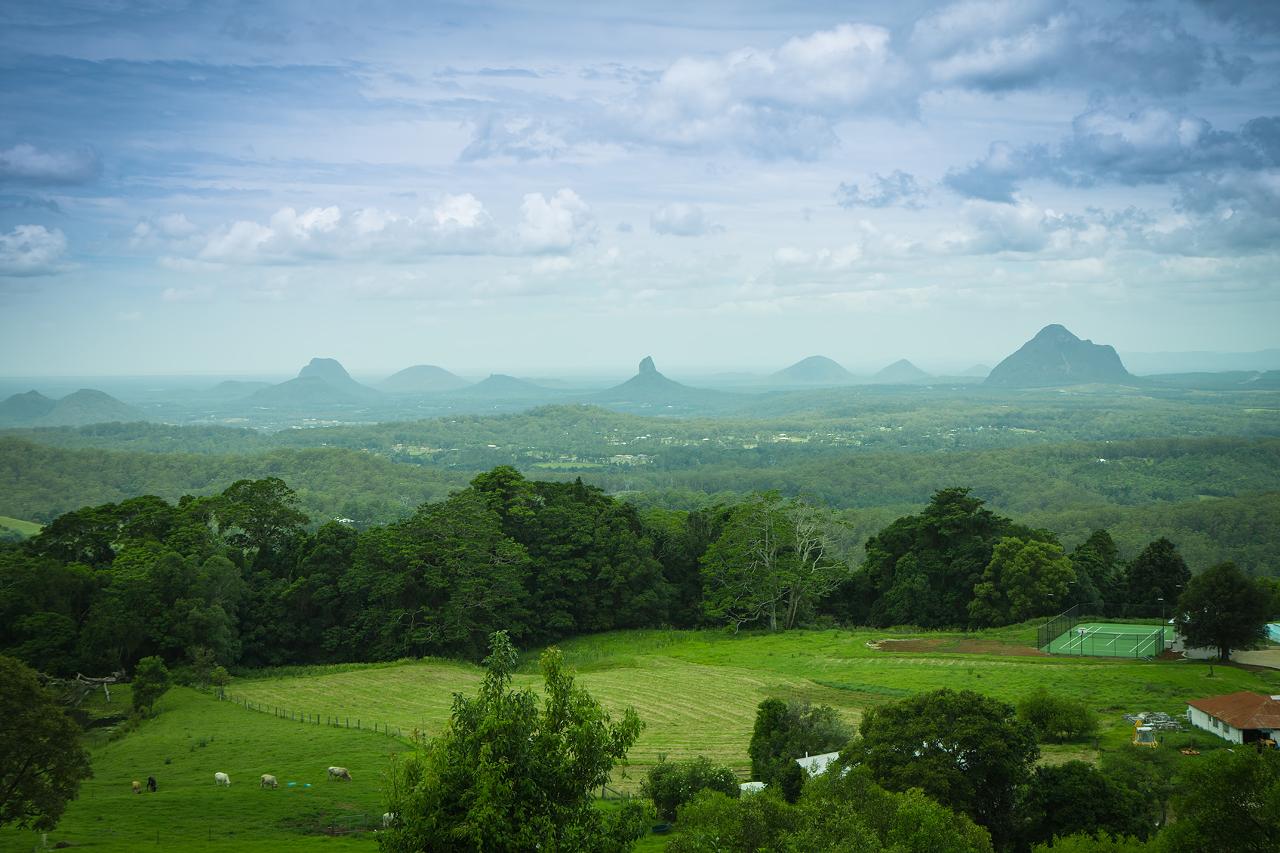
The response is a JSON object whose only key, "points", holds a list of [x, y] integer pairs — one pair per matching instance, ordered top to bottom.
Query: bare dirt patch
{"points": [[954, 646]]}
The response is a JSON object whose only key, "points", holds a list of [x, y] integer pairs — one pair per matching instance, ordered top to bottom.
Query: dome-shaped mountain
{"points": [[1057, 357], [814, 370], [901, 372], [422, 379], [323, 381], [501, 387], [88, 406], [25, 408]]}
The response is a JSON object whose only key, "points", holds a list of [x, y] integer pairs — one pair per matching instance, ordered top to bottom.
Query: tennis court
{"points": [[1109, 639]]}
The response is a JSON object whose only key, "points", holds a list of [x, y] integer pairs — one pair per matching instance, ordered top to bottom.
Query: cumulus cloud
{"points": [[1150, 146], [26, 164], [898, 189], [680, 219], [556, 224], [163, 232], [30, 250]]}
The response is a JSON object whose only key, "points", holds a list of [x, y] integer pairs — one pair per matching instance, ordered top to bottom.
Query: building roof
{"points": [[1243, 710], [816, 765]]}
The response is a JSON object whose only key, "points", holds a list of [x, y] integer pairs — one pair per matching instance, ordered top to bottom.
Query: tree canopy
{"points": [[1221, 608], [41, 760]]}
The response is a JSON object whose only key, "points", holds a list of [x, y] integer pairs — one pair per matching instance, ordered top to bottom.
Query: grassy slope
{"points": [[17, 525], [697, 691], [189, 813]]}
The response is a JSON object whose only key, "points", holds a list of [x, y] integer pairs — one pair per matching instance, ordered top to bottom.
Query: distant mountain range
{"points": [[1057, 357], [499, 386], [649, 389], [85, 406]]}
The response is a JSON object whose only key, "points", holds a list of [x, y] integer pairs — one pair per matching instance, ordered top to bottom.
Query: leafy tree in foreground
{"points": [[1023, 579], [1223, 609], [150, 681], [785, 731], [963, 749], [41, 760], [506, 775], [671, 784], [1076, 797], [1231, 800], [1101, 843]]}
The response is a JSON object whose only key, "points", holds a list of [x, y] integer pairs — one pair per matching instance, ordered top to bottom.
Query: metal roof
{"points": [[1243, 710]]}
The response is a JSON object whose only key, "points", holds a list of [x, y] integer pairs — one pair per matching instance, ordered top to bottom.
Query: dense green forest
{"points": [[243, 576]]}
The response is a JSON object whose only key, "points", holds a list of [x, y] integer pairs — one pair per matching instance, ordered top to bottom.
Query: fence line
{"points": [[330, 720]]}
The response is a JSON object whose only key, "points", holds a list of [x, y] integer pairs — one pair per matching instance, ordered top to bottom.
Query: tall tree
{"points": [[1157, 576], [1023, 579], [1223, 609], [785, 731], [967, 751], [41, 760], [508, 775], [1229, 800]]}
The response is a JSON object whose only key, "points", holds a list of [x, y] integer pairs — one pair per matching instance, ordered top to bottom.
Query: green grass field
{"points": [[17, 525], [1110, 639], [696, 692]]}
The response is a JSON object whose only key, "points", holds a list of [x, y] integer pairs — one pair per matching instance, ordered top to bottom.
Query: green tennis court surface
{"points": [[1109, 639]]}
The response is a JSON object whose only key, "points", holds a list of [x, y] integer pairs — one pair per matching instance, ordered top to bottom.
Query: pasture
{"points": [[18, 526], [697, 691]]}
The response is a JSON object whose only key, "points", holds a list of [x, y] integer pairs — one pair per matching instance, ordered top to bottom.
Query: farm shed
{"points": [[1242, 717], [816, 765]]}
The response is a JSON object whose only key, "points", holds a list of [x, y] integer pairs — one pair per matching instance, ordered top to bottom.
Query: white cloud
{"points": [[27, 164], [681, 220], [557, 224], [30, 250]]}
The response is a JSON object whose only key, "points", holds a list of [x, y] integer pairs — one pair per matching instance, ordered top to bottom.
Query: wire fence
{"points": [[308, 718]]}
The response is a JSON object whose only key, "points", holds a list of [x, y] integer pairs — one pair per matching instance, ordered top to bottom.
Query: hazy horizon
{"points": [[232, 189]]}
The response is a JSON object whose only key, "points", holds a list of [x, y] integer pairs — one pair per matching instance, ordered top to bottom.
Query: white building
{"points": [[1242, 717], [816, 765]]}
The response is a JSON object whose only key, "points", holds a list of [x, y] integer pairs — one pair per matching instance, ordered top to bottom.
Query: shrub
{"points": [[1057, 718], [671, 784]]}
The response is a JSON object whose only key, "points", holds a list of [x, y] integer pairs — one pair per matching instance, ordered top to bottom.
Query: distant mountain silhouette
{"points": [[1057, 357], [814, 370], [979, 370], [901, 372], [422, 379], [1269, 380], [322, 382], [500, 387], [232, 389], [649, 389], [85, 406], [25, 408]]}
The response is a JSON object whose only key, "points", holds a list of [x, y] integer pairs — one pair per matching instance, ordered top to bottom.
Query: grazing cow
{"points": [[340, 773], [221, 778], [269, 781], [151, 784], [137, 786], [388, 818]]}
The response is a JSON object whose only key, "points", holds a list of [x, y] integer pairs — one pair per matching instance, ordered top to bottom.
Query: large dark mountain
{"points": [[1057, 357], [814, 370], [901, 372], [422, 379], [322, 382], [25, 408]]}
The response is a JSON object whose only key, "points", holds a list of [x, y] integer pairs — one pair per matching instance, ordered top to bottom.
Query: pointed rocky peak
{"points": [[1055, 333], [1057, 357], [647, 366]]}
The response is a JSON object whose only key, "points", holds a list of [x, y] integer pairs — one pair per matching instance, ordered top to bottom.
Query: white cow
{"points": [[340, 773], [221, 778], [268, 781], [388, 818]]}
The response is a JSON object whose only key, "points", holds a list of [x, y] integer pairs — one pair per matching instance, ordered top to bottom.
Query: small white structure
{"points": [[1243, 717], [816, 765], [751, 788]]}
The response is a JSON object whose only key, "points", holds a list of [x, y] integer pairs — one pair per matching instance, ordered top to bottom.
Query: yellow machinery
{"points": [[1144, 736]]}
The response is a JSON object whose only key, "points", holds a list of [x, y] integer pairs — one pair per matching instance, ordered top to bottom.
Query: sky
{"points": [[525, 187]]}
